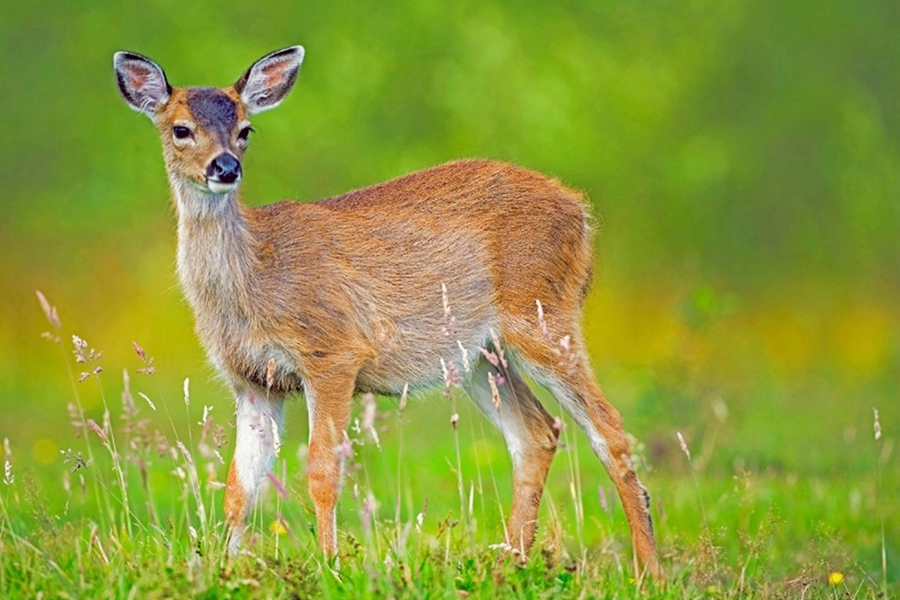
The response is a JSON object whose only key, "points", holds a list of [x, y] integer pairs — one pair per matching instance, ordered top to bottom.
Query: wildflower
{"points": [[187, 393], [454, 420], [877, 425], [8, 477], [277, 527], [835, 578]]}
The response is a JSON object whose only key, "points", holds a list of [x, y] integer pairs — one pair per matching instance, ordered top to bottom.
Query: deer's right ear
{"points": [[269, 80], [141, 82]]}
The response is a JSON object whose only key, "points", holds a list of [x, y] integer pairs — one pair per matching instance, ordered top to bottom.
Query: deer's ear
{"points": [[269, 80], [141, 82]]}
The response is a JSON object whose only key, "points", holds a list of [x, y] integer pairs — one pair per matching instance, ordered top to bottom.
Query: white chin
{"points": [[217, 187]]}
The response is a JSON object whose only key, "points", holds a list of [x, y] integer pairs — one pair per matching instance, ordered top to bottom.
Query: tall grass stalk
{"points": [[881, 460], [117, 462], [709, 540]]}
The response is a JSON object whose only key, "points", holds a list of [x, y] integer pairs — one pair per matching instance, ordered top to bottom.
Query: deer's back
{"points": [[370, 263]]}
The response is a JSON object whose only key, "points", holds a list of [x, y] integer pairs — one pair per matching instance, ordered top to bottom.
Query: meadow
{"points": [[742, 159], [799, 505]]}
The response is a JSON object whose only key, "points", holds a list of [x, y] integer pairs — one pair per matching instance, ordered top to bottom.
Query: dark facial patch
{"points": [[213, 111]]}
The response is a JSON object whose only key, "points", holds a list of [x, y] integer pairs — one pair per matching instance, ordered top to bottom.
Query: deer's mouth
{"points": [[217, 186]]}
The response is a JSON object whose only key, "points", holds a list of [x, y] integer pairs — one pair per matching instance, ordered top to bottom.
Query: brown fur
{"points": [[345, 296]]}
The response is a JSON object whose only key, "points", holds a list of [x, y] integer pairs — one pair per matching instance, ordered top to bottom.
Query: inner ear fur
{"points": [[141, 82], [266, 83]]}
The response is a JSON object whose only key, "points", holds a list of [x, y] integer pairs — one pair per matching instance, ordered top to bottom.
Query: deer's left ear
{"points": [[269, 80]]}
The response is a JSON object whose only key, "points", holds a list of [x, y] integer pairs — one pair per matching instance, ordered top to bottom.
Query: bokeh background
{"points": [[743, 157]]}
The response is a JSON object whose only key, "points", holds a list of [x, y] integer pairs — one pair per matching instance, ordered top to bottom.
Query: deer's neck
{"points": [[216, 252]]}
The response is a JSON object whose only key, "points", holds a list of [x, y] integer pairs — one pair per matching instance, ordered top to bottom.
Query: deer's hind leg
{"points": [[557, 360], [531, 438]]}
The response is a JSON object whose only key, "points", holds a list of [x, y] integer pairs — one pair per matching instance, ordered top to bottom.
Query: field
{"points": [[742, 159], [802, 503]]}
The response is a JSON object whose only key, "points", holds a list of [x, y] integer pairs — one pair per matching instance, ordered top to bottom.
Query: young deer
{"points": [[346, 295]]}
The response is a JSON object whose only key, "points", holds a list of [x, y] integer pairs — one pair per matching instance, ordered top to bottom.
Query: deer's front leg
{"points": [[328, 398], [258, 419]]}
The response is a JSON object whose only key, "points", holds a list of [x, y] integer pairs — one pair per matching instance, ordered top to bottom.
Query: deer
{"points": [[351, 294]]}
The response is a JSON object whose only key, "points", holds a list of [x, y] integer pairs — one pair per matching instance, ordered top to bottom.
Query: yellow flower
{"points": [[277, 527], [835, 578]]}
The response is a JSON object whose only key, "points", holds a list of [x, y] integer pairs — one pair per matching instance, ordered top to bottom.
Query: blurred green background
{"points": [[743, 157]]}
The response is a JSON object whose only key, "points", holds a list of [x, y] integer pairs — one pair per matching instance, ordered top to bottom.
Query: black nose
{"points": [[224, 168]]}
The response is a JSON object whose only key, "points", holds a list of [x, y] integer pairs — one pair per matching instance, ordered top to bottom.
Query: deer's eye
{"points": [[180, 132], [244, 134]]}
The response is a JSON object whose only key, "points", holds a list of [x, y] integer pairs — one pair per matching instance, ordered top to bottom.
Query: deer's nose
{"points": [[224, 168]]}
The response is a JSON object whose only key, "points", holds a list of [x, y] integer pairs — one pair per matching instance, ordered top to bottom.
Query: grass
{"points": [[757, 499]]}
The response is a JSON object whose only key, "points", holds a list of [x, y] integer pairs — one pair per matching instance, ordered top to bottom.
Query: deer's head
{"points": [[205, 130]]}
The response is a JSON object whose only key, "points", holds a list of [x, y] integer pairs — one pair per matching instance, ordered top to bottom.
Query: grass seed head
{"points": [[449, 327], [498, 348], [270, 374], [451, 375], [495, 393], [144, 396], [403, 398], [92, 425], [683, 444]]}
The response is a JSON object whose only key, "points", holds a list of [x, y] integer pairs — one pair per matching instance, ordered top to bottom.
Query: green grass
{"points": [[775, 498]]}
